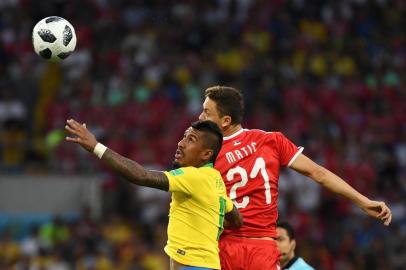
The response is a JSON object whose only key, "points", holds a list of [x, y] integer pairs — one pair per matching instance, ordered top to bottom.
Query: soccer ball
{"points": [[53, 38]]}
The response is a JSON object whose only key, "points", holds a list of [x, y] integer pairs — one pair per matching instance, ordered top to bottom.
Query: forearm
{"points": [[134, 172], [327, 179], [334, 183], [337, 185]]}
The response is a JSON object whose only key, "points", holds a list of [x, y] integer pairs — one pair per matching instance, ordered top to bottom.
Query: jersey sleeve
{"points": [[288, 151], [183, 180], [229, 204]]}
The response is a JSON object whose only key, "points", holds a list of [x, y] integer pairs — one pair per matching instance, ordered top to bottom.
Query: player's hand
{"points": [[80, 134], [378, 210]]}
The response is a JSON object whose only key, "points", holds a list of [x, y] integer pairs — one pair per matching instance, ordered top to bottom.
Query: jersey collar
{"points": [[233, 135], [210, 165], [291, 262]]}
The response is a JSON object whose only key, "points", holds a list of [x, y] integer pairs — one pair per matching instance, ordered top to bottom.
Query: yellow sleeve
{"points": [[183, 180], [223, 193], [229, 204]]}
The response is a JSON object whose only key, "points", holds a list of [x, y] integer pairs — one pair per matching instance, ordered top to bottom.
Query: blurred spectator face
{"points": [[211, 113], [286, 245]]}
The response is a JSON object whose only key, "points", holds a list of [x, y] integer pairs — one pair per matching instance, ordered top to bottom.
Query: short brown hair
{"points": [[229, 101]]}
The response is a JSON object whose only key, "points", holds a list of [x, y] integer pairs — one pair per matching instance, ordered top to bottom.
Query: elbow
{"points": [[318, 174], [233, 220], [237, 222], [240, 222], [233, 224]]}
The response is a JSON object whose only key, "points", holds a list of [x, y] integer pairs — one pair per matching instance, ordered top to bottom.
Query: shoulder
{"points": [[256, 131], [260, 132], [256, 134], [268, 136], [208, 170], [182, 171], [193, 171], [183, 180]]}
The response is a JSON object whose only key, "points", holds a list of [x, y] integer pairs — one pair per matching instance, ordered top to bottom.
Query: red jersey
{"points": [[249, 162]]}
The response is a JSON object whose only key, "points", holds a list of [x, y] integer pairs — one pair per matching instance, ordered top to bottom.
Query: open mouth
{"points": [[178, 154]]}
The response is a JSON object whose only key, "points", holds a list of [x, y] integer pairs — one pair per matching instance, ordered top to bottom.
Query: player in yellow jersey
{"points": [[199, 201]]}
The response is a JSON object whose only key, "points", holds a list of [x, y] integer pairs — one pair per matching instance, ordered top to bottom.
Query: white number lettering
{"points": [[259, 166], [233, 191]]}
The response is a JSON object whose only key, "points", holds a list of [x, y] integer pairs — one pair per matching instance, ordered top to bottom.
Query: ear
{"points": [[225, 121], [206, 154], [293, 242]]}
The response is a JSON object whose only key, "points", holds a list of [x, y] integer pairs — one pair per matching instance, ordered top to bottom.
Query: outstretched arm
{"points": [[131, 170], [334, 183]]}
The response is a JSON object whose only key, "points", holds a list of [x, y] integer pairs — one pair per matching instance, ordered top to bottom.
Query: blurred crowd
{"points": [[328, 74], [82, 243]]}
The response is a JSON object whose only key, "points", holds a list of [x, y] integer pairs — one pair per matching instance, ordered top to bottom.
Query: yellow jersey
{"points": [[199, 203]]}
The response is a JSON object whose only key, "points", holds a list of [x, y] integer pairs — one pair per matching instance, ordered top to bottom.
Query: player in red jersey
{"points": [[249, 162]]}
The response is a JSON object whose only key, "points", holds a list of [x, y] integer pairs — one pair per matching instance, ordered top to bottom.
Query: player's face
{"points": [[210, 112], [190, 149], [286, 245]]}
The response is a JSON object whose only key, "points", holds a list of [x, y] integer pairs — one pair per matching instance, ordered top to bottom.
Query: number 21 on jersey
{"points": [[259, 167]]}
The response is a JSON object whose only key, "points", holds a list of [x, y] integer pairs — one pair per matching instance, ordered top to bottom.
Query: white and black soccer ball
{"points": [[53, 38]]}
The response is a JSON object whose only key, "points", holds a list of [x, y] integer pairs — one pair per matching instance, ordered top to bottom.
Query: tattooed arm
{"points": [[131, 170], [134, 172]]}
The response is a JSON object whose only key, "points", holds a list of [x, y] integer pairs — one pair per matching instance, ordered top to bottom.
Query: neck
{"points": [[230, 130], [288, 259]]}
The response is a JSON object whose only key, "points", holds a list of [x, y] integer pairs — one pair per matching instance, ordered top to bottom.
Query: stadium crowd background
{"points": [[328, 74]]}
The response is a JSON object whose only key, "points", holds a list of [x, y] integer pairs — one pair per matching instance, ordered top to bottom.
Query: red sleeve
{"points": [[288, 151]]}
